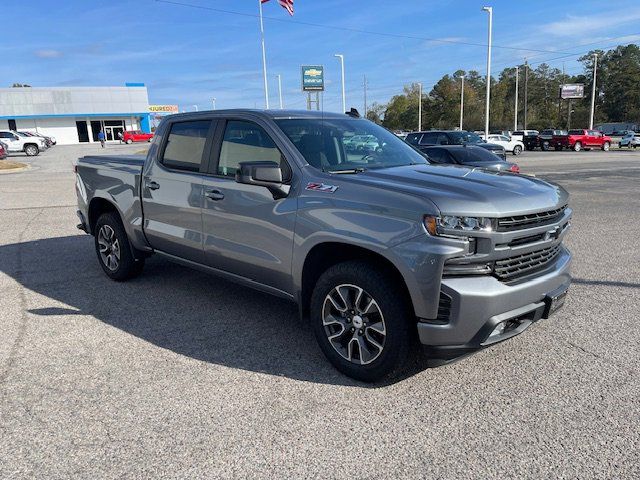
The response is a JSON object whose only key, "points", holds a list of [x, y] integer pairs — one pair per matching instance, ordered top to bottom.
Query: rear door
{"points": [[172, 193], [246, 231]]}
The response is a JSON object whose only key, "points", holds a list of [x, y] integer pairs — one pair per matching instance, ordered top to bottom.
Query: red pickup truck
{"points": [[131, 136], [584, 139]]}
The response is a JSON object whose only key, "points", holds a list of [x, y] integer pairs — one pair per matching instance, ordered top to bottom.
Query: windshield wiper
{"points": [[351, 170]]}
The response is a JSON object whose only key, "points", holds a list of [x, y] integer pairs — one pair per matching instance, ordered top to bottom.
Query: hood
{"points": [[459, 190]]}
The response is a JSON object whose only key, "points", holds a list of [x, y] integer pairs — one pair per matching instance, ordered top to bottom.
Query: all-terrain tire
{"points": [[113, 249], [394, 308]]}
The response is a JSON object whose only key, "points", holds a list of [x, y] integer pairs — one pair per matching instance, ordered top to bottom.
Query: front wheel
{"points": [[129, 141], [545, 146], [606, 146], [577, 147], [31, 150], [517, 150], [113, 249], [362, 321]]}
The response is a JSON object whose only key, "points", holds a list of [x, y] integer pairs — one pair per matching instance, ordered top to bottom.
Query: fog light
{"points": [[498, 330]]}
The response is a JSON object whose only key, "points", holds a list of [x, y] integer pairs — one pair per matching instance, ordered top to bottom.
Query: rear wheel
{"points": [[129, 141], [606, 146], [577, 147], [31, 150], [517, 150], [113, 249], [362, 321]]}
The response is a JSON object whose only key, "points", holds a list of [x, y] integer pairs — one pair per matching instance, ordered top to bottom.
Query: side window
{"points": [[412, 138], [429, 139], [443, 139], [247, 142], [185, 145]]}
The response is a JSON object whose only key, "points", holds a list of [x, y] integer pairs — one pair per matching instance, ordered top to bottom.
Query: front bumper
{"points": [[479, 304]]}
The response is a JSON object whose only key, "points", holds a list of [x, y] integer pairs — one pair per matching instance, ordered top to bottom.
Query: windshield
{"points": [[460, 138], [344, 144]]}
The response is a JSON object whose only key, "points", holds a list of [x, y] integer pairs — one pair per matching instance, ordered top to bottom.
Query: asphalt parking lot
{"points": [[178, 374]]}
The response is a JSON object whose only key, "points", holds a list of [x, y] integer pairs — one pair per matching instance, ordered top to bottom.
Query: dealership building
{"points": [[76, 114]]}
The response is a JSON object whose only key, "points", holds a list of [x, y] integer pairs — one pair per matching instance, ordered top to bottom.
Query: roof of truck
{"points": [[272, 114]]}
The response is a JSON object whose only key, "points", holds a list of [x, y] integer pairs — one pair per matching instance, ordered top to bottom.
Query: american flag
{"points": [[286, 4]]}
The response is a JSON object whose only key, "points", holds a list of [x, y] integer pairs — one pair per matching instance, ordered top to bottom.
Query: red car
{"points": [[131, 136], [587, 139], [3, 152]]}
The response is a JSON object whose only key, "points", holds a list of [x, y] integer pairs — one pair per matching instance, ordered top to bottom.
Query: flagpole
{"points": [[264, 59]]}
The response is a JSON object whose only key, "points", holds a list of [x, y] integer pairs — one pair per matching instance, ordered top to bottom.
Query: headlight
{"points": [[453, 225]]}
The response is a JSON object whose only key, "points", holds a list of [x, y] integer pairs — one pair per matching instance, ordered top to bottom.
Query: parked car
{"points": [[130, 136], [453, 137], [528, 137], [587, 139], [631, 139], [49, 141], [17, 143], [509, 144], [4, 151], [469, 156], [379, 251]]}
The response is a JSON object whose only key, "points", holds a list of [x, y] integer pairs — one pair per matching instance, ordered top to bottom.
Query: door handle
{"points": [[151, 185], [214, 195]]}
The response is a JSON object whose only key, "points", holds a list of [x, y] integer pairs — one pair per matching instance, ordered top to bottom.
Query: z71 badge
{"points": [[321, 187]]}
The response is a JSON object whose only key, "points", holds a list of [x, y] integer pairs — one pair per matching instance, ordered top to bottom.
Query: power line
{"points": [[353, 30]]}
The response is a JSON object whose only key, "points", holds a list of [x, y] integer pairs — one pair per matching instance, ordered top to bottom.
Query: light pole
{"points": [[489, 10], [280, 90], [593, 90], [526, 92], [461, 99], [213, 100], [344, 100], [195, 107], [419, 107], [515, 113]]}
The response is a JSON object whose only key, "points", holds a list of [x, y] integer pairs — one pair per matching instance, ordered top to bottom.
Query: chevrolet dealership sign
{"points": [[312, 78]]}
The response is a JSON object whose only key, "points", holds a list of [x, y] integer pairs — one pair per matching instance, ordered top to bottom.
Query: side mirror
{"points": [[263, 174]]}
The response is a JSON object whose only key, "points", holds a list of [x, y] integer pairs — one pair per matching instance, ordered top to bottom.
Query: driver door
{"points": [[246, 231]]}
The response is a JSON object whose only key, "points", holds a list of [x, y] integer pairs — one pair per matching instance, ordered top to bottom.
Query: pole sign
{"points": [[312, 78], [572, 90]]}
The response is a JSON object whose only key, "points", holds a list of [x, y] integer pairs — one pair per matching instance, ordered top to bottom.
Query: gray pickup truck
{"points": [[381, 250]]}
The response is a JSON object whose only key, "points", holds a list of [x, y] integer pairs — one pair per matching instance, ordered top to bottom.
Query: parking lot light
{"points": [[489, 10]]}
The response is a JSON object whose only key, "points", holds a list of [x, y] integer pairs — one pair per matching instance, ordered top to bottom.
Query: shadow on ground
{"points": [[176, 308]]}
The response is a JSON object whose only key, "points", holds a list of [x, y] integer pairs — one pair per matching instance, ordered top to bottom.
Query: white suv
{"points": [[29, 145]]}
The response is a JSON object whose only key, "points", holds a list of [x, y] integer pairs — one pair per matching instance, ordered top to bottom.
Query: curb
{"points": [[15, 170]]}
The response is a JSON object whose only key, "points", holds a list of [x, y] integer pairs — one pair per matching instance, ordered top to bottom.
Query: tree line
{"points": [[617, 97]]}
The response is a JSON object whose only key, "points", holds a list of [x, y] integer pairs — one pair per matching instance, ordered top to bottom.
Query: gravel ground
{"points": [[178, 374]]}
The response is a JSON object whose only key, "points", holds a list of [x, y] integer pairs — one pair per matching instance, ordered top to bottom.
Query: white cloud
{"points": [[579, 25], [48, 53]]}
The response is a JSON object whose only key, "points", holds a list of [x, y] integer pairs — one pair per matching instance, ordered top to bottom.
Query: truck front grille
{"points": [[518, 222], [512, 268]]}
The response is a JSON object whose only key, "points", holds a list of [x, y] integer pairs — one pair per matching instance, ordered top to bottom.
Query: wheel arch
{"points": [[98, 206], [326, 254]]}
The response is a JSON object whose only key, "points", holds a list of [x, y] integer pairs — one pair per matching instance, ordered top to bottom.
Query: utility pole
{"points": [[489, 10], [364, 84], [526, 85], [280, 90], [593, 90], [344, 99], [461, 100], [420, 107], [515, 113]]}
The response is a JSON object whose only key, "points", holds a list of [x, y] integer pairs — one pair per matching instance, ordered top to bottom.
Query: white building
{"points": [[75, 114]]}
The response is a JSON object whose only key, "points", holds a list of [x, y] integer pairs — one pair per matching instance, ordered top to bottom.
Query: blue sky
{"points": [[188, 55]]}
